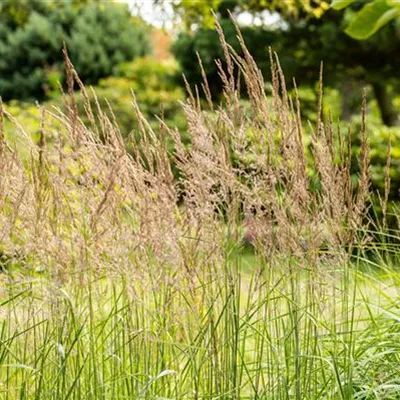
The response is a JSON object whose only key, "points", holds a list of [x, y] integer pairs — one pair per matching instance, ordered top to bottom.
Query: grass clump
{"points": [[133, 284]]}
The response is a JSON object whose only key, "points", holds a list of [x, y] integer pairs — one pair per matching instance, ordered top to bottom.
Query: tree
{"points": [[193, 13], [366, 22], [98, 36], [104, 36], [303, 39], [206, 42]]}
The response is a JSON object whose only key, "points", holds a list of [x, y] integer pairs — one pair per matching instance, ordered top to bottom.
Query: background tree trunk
{"points": [[350, 98], [385, 104]]}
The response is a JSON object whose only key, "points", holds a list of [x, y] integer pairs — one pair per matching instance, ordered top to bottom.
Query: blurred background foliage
{"points": [[98, 35], [117, 51], [153, 83]]}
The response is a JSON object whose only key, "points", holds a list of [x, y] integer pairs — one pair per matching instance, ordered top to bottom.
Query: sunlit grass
{"points": [[281, 331]]}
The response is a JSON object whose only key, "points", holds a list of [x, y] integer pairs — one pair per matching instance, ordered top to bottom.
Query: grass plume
{"points": [[122, 281]]}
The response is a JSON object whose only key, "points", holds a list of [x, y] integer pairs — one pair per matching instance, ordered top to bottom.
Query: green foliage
{"points": [[340, 4], [198, 11], [16, 13], [193, 13], [372, 17], [99, 36], [103, 37], [205, 42], [301, 46], [24, 54], [153, 83], [27, 115], [379, 136]]}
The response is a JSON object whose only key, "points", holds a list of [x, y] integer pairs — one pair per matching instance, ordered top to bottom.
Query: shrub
{"points": [[99, 37], [152, 81]]}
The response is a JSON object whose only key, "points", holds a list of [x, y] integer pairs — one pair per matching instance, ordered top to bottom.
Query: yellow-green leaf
{"points": [[394, 3], [339, 4], [371, 18]]}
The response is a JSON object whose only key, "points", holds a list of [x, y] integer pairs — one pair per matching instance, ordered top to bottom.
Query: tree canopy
{"points": [[194, 13], [32, 33], [303, 39]]}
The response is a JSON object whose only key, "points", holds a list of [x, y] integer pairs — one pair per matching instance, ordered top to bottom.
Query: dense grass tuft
{"points": [[255, 275]]}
